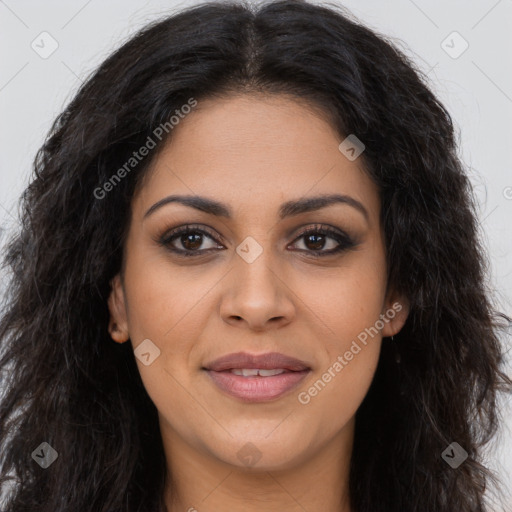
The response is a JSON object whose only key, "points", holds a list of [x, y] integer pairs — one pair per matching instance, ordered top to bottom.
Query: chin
{"points": [[261, 455]]}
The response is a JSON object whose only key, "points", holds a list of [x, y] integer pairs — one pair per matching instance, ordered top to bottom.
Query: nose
{"points": [[256, 295]]}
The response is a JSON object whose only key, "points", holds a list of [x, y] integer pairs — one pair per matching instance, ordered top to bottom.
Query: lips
{"points": [[268, 361], [258, 378]]}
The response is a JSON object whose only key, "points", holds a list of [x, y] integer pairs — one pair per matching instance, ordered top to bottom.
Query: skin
{"points": [[253, 153]]}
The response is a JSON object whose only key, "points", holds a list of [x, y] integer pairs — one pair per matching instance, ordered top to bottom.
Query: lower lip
{"points": [[257, 388]]}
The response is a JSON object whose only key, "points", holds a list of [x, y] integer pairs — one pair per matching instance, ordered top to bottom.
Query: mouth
{"points": [[257, 378]]}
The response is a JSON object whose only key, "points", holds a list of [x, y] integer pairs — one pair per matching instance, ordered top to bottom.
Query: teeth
{"points": [[251, 372], [245, 373], [269, 373]]}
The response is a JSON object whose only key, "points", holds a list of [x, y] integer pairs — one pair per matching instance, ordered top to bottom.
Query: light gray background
{"points": [[476, 87]]}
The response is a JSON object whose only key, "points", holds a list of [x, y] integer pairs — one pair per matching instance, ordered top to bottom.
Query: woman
{"points": [[249, 278]]}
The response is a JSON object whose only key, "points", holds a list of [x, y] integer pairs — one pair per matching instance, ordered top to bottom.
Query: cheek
{"points": [[347, 299], [164, 301], [347, 306], [166, 307], [353, 307], [350, 348], [335, 395]]}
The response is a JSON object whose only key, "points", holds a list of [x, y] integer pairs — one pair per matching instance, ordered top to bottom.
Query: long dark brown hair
{"points": [[68, 384]]}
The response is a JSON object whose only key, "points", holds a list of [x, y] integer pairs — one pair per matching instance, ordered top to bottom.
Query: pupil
{"points": [[191, 240], [317, 244]]}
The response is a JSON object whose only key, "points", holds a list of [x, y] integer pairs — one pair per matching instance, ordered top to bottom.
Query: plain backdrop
{"points": [[463, 46]]}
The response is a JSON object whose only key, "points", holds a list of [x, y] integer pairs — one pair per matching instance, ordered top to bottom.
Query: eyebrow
{"points": [[287, 209]]}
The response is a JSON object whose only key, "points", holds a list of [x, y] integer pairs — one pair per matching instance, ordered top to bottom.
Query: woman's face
{"points": [[247, 279]]}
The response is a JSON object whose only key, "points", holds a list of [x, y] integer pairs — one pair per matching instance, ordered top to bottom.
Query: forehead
{"points": [[255, 151]]}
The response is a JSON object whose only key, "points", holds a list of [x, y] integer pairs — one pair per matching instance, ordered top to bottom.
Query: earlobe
{"points": [[395, 314], [118, 325]]}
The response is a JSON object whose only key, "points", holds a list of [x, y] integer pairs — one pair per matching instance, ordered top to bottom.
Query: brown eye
{"points": [[191, 240], [320, 240], [188, 241], [315, 241]]}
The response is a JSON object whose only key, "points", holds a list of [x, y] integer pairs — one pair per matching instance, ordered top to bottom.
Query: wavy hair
{"points": [[68, 384]]}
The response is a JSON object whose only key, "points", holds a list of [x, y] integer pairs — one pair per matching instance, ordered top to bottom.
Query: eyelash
{"points": [[345, 241]]}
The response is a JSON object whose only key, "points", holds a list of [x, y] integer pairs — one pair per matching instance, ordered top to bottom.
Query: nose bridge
{"points": [[255, 268], [256, 291]]}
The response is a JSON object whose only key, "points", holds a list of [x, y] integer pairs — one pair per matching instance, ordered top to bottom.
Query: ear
{"points": [[395, 313], [118, 324]]}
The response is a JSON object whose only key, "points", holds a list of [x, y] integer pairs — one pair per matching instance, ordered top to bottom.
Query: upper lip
{"points": [[268, 361]]}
